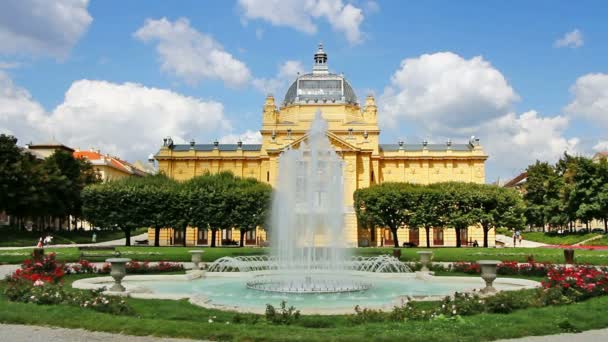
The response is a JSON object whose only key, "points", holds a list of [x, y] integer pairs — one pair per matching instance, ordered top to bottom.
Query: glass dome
{"points": [[320, 86]]}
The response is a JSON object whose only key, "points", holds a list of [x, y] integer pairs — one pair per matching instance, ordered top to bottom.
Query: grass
{"points": [[16, 238], [555, 239], [603, 241], [552, 255], [181, 319]]}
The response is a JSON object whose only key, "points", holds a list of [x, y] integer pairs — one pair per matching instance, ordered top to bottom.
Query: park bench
{"points": [[141, 242], [87, 252]]}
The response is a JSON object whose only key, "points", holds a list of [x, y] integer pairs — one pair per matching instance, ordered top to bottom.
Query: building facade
{"points": [[353, 131], [108, 167]]}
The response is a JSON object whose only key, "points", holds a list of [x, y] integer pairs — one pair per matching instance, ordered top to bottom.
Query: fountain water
{"points": [[309, 250]]}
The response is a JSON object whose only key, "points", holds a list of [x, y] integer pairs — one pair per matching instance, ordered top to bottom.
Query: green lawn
{"points": [[15, 238], [554, 239], [603, 241], [598, 257], [181, 319]]}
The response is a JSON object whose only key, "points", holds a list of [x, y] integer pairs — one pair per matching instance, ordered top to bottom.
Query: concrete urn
{"points": [[196, 258], [425, 260], [118, 272], [488, 274]]}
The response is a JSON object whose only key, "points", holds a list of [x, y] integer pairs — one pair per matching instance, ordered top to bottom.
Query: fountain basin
{"points": [[228, 290]]}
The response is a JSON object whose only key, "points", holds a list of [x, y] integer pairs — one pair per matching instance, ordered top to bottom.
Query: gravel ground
{"points": [[30, 333], [600, 335]]}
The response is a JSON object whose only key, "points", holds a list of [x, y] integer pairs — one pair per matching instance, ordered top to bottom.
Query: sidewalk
{"points": [[508, 241], [119, 242], [33, 333], [589, 336]]}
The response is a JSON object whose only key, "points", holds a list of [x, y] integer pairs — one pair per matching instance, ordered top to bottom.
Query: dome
{"points": [[320, 86]]}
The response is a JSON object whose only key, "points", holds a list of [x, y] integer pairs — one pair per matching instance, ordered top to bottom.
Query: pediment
{"points": [[338, 143]]}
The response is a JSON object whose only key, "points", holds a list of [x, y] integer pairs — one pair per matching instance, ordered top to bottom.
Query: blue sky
{"points": [[121, 75]]}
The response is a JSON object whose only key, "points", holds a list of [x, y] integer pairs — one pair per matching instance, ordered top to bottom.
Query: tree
{"points": [[583, 175], [602, 192], [542, 195], [211, 201], [252, 203], [117, 204], [386, 205], [498, 207], [461, 209], [429, 211]]}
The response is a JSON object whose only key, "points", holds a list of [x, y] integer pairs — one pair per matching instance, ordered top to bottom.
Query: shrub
{"points": [[132, 267], [46, 270], [578, 283], [44, 293], [284, 315], [366, 316]]}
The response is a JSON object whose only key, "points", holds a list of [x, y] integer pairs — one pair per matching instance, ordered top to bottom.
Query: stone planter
{"points": [[38, 253], [397, 253], [569, 255], [196, 258], [425, 260], [118, 272], [488, 274]]}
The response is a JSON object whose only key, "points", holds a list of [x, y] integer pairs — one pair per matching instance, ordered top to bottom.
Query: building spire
{"points": [[320, 66]]}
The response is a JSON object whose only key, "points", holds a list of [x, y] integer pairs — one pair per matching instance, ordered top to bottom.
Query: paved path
{"points": [[508, 241], [119, 242], [31, 333], [600, 335]]}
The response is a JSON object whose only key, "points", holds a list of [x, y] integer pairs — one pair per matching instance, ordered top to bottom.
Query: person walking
{"points": [[515, 237], [521, 237], [94, 238]]}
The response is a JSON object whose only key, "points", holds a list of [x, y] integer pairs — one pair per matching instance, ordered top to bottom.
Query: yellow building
{"points": [[354, 133], [108, 167]]}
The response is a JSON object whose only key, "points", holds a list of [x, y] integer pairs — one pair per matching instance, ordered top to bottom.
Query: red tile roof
{"points": [[95, 156]]}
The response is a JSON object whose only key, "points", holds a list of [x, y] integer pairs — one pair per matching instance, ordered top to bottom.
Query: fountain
{"points": [[309, 252], [309, 265]]}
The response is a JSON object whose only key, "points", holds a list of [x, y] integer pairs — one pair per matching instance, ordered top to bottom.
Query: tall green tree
{"points": [[542, 195], [387, 205], [252, 206], [461, 209], [430, 210]]}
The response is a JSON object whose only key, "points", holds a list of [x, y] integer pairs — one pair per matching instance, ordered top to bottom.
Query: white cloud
{"points": [[302, 14], [42, 27], [572, 39], [192, 55], [287, 72], [445, 92], [590, 98], [20, 115], [128, 120], [247, 137], [515, 141], [601, 146]]}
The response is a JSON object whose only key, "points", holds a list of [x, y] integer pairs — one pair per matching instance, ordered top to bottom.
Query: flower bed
{"points": [[132, 267], [506, 268], [40, 281], [561, 286]]}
